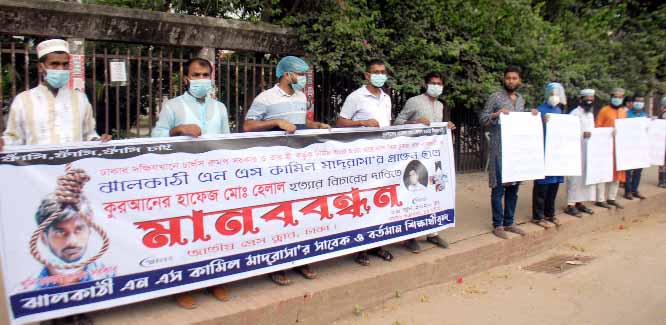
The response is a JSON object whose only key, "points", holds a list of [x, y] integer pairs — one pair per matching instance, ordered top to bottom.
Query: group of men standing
{"points": [[53, 114], [545, 190]]}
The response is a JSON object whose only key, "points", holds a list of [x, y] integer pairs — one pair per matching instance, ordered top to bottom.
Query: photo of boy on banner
{"points": [[415, 176], [64, 226]]}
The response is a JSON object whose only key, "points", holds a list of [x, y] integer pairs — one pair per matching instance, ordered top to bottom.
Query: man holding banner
{"points": [[369, 106], [284, 108], [424, 109], [51, 113], [194, 114], [633, 176], [545, 190], [577, 191], [607, 192]]}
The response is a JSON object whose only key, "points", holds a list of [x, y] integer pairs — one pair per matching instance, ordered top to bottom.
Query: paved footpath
{"points": [[624, 284]]}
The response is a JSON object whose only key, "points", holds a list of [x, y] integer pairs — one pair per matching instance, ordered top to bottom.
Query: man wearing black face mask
{"points": [[577, 191]]}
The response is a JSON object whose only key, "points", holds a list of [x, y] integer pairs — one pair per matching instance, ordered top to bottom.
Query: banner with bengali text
{"points": [[92, 226]]}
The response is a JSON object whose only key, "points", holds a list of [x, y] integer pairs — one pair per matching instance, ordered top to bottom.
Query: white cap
{"points": [[52, 45], [587, 92]]}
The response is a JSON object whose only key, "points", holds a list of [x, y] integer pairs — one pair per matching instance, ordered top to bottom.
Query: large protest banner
{"points": [[657, 140], [563, 146], [522, 147], [632, 148], [599, 157], [94, 226]]}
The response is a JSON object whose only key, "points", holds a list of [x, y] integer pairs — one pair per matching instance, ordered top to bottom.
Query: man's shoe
{"points": [[628, 196], [639, 196], [615, 204], [603, 205], [584, 209], [573, 211], [554, 221], [541, 223], [514, 229], [499, 232], [437, 241], [413, 246], [219, 293], [186, 300]]}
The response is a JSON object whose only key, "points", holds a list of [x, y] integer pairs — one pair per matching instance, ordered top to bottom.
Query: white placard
{"points": [[118, 71], [657, 139], [563, 146], [522, 147], [632, 148], [599, 159]]}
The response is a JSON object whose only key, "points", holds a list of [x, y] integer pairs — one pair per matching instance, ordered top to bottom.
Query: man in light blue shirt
{"points": [[194, 113]]}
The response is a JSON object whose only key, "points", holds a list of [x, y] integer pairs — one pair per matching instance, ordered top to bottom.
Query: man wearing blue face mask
{"points": [[283, 107], [51, 113], [194, 113], [633, 176], [607, 192]]}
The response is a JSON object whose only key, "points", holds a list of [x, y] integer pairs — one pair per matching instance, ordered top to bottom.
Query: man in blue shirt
{"points": [[194, 114], [633, 177], [544, 192]]}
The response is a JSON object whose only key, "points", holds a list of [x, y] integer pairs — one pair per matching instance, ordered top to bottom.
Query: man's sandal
{"points": [[382, 253], [307, 272], [280, 278]]}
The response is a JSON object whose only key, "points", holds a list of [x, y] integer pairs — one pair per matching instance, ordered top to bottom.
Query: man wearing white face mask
{"points": [[369, 106], [424, 109], [51, 113], [194, 113], [545, 190]]}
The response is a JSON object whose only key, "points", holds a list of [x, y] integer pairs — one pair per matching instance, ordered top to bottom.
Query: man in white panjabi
{"points": [[51, 113], [577, 191]]}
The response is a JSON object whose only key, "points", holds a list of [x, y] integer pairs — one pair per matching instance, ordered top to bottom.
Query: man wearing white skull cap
{"points": [[51, 113], [577, 191]]}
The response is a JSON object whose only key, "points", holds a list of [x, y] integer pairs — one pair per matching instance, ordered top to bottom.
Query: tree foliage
{"points": [[595, 43]]}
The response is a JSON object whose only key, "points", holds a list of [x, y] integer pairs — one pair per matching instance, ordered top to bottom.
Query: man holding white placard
{"points": [[502, 102], [633, 176], [545, 190], [577, 191], [607, 192]]}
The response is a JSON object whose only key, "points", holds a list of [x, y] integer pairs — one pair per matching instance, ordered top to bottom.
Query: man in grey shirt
{"points": [[502, 102], [424, 109]]}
